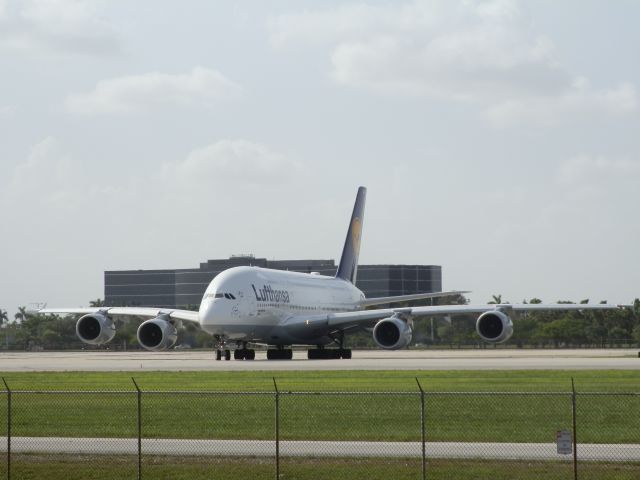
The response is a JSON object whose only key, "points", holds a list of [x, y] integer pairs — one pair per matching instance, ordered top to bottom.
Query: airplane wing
{"points": [[367, 302], [146, 312], [368, 318]]}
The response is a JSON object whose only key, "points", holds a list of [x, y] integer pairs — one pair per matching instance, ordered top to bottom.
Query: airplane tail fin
{"points": [[348, 268]]}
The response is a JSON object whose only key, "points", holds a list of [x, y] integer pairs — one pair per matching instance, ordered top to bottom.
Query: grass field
{"points": [[252, 381], [108, 408], [532, 417], [36, 467]]}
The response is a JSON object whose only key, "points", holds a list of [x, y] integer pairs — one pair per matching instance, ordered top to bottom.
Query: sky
{"points": [[499, 139]]}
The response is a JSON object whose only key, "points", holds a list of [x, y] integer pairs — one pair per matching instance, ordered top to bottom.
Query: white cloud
{"points": [[61, 26], [445, 49], [486, 53], [200, 87], [579, 100], [6, 111], [232, 162], [45, 163], [583, 169], [48, 177], [50, 181], [589, 183]]}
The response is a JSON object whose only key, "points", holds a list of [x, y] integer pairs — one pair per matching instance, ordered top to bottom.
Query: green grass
{"points": [[345, 380], [393, 417], [28, 467]]}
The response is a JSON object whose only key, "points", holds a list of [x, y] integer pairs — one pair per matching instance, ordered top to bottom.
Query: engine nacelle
{"points": [[494, 326], [95, 329], [392, 333], [157, 334]]}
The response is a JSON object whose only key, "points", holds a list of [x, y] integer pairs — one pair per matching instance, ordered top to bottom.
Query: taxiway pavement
{"points": [[473, 359]]}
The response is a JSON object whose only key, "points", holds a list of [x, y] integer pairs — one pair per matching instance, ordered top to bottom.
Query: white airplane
{"points": [[252, 305]]}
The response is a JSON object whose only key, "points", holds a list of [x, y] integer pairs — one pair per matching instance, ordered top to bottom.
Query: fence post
{"points": [[6, 386], [275, 386], [139, 395], [422, 430], [575, 439]]}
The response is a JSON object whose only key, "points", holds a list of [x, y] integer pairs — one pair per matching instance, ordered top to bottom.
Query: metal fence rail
{"points": [[282, 434]]}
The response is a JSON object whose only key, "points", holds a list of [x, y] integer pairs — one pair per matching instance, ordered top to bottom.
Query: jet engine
{"points": [[494, 326], [95, 329], [392, 333], [157, 334]]}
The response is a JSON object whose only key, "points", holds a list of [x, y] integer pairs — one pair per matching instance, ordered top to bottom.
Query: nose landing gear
{"points": [[223, 353]]}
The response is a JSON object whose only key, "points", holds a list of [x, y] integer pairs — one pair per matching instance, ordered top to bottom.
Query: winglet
{"points": [[348, 268]]}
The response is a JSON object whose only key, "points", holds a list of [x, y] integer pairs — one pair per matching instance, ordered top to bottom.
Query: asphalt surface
{"points": [[475, 359], [266, 448]]}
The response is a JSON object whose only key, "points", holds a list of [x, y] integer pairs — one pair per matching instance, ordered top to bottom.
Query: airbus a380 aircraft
{"points": [[251, 305]]}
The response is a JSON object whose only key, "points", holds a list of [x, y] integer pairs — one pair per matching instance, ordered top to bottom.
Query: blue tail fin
{"points": [[348, 268]]}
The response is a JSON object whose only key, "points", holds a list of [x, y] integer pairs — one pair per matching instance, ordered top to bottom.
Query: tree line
{"points": [[533, 329], [543, 329]]}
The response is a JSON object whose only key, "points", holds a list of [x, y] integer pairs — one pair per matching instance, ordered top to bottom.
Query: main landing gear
{"points": [[240, 353], [322, 353], [328, 353], [244, 354], [279, 354]]}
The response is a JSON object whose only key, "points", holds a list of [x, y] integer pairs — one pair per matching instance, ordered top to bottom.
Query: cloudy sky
{"points": [[499, 139]]}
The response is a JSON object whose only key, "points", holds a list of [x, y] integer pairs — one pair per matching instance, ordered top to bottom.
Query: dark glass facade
{"points": [[184, 287]]}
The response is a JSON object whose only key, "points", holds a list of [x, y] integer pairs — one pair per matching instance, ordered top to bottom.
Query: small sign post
{"points": [[564, 442]]}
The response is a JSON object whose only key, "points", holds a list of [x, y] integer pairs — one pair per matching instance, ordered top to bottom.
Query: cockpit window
{"points": [[228, 296]]}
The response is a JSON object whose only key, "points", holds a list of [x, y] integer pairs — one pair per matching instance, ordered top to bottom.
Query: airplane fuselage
{"points": [[253, 304]]}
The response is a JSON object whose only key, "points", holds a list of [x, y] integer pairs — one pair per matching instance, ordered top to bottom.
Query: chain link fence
{"points": [[316, 435]]}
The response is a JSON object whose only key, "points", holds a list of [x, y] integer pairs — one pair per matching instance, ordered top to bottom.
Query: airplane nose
{"points": [[205, 310], [213, 311]]}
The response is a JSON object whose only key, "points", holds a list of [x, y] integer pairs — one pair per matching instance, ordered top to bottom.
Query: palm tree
{"points": [[497, 300], [98, 302], [21, 316], [4, 317]]}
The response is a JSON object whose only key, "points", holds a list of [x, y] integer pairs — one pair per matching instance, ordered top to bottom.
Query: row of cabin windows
{"points": [[298, 307]]}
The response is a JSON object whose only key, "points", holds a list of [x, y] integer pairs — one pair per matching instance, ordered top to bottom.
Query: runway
{"points": [[476, 359], [267, 448]]}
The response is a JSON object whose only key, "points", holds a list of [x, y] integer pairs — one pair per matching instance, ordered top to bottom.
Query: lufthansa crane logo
{"points": [[356, 234]]}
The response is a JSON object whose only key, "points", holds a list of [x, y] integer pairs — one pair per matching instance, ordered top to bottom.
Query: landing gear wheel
{"points": [[324, 353], [345, 353], [244, 354], [279, 354], [218, 355], [227, 355]]}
